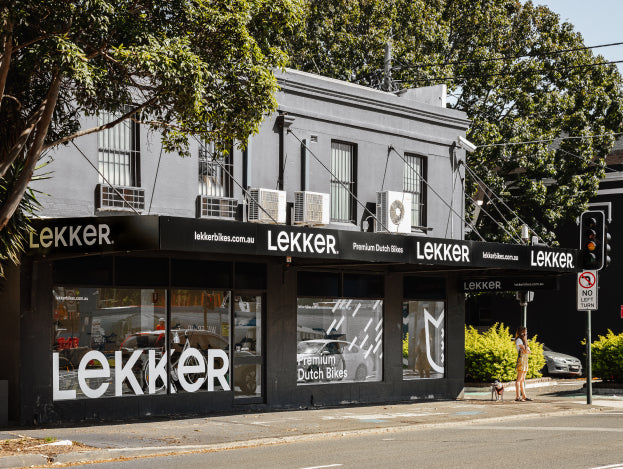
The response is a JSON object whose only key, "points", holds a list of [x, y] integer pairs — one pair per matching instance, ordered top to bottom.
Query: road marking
{"points": [[555, 429], [613, 466], [318, 467]]}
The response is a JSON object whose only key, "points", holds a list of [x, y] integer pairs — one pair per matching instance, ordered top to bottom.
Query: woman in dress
{"points": [[523, 350]]}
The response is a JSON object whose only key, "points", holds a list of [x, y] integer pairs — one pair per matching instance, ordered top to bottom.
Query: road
{"points": [[569, 441]]}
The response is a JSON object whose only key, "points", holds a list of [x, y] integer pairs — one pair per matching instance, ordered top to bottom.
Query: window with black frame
{"points": [[343, 181], [413, 183]]}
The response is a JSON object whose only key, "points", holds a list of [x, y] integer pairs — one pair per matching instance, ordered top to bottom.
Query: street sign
{"points": [[587, 290]]}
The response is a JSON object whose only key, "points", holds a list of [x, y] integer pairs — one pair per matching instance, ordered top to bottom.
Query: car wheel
{"points": [[361, 373]]}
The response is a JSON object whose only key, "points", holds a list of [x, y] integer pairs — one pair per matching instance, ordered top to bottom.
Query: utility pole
{"points": [[387, 67]]}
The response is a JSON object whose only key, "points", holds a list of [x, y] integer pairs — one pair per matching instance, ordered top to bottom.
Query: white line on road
{"points": [[554, 429], [613, 466], [318, 467]]}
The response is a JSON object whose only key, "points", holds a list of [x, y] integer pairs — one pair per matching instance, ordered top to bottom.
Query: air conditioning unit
{"points": [[119, 198], [272, 203], [216, 207], [311, 208], [393, 212]]}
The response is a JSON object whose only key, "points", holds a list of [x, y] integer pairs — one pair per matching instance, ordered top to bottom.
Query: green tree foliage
{"points": [[180, 66], [518, 72], [492, 355], [607, 357]]}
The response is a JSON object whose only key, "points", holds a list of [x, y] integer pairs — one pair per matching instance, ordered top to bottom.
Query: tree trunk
{"points": [[32, 158]]}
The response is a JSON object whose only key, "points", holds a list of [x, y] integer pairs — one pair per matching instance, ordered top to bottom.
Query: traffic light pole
{"points": [[589, 365]]}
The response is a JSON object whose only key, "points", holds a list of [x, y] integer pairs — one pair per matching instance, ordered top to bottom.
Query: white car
{"points": [[332, 360], [560, 363]]}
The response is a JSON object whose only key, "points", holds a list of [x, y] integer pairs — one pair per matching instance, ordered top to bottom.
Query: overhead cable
{"points": [[290, 131], [231, 176], [106, 180], [480, 181], [434, 191]]}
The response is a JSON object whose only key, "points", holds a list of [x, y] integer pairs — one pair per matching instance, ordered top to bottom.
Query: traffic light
{"points": [[592, 239]]}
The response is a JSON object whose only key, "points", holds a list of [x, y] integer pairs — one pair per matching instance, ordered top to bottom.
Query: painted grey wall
{"points": [[325, 108]]}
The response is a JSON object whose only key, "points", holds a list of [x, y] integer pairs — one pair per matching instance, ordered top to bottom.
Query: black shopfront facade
{"points": [[129, 317]]}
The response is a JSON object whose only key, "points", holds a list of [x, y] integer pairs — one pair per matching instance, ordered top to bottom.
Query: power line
{"points": [[513, 57], [522, 72], [290, 131], [547, 140], [106, 180], [480, 181], [434, 191]]}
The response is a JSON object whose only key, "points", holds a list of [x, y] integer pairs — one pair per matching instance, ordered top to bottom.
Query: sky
{"points": [[599, 22]]}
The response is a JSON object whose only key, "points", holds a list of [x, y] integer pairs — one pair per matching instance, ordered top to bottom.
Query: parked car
{"points": [[331, 360], [560, 364]]}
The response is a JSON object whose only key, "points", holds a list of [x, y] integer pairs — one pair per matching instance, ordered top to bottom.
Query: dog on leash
{"points": [[497, 391]]}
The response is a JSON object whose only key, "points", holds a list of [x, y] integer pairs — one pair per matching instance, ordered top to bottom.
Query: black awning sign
{"points": [[506, 284]]}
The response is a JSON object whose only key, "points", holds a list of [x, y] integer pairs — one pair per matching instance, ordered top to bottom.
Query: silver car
{"points": [[332, 360], [560, 363]]}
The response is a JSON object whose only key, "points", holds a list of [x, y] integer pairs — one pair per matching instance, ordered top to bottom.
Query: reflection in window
{"points": [[95, 326], [423, 339], [339, 340], [112, 342], [248, 346]]}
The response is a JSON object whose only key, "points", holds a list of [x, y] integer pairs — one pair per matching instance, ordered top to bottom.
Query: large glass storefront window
{"points": [[423, 339], [339, 340], [113, 342], [248, 346]]}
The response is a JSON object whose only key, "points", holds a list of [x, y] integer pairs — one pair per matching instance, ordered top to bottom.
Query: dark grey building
{"points": [[323, 264]]}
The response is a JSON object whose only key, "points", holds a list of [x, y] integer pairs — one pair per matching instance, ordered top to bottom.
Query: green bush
{"points": [[492, 355], [607, 357]]}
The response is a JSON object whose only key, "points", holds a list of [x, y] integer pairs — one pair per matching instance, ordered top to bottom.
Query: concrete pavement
{"points": [[148, 439]]}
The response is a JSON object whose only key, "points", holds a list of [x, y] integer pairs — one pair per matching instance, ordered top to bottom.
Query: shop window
{"points": [[343, 182], [98, 329], [423, 332], [339, 340], [111, 342], [248, 346]]}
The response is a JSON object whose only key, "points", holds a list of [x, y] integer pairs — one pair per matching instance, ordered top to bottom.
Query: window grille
{"points": [[119, 152], [214, 176], [343, 182], [413, 183]]}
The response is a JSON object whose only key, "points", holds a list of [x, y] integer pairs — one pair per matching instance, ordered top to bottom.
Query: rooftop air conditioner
{"points": [[272, 203], [311, 208], [393, 211]]}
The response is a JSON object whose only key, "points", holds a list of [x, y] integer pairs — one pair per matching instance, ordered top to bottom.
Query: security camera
{"points": [[466, 144]]}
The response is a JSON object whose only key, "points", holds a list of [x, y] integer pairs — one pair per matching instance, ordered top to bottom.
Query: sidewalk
{"points": [[219, 432]]}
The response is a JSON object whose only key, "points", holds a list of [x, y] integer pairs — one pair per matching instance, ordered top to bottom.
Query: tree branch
{"points": [[5, 63], [99, 128], [17, 148], [32, 158]]}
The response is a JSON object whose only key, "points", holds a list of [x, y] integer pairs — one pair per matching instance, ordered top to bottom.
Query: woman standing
{"points": [[521, 343]]}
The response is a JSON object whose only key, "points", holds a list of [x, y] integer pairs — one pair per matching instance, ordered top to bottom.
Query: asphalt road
{"points": [[570, 441]]}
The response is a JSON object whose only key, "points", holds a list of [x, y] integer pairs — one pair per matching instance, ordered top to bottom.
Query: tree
{"points": [[180, 66], [518, 72]]}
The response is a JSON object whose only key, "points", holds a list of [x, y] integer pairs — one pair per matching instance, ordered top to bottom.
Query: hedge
{"points": [[492, 355], [607, 357]]}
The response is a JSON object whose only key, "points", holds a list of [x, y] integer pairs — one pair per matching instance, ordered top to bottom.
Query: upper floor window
{"points": [[118, 152], [214, 172], [343, 181], [413, 182]]}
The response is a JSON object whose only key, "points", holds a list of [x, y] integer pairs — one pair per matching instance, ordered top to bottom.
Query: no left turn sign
{"points": [[587, 290]]}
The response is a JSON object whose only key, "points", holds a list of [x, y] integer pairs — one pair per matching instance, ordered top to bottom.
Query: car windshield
{"points": [[309, 347]]}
